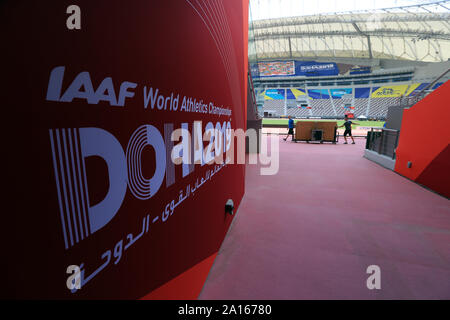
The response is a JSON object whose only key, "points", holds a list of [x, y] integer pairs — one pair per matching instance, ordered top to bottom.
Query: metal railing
{"points": [[383, 141]]}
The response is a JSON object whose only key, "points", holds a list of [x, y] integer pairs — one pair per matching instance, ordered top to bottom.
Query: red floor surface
{"points": [[311, 231]]}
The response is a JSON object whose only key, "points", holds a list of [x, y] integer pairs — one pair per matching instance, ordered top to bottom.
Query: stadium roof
{"points": [[418, 32]]}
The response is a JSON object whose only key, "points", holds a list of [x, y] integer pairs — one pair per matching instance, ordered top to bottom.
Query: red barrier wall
{"points": [[424, 140], [91, 179]]}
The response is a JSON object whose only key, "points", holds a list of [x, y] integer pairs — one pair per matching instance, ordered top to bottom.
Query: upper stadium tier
{"points": [[416, 33]]}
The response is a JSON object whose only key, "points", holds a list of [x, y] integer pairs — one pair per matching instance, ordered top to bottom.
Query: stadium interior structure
{"points": [[328, 65], [145, 179]]}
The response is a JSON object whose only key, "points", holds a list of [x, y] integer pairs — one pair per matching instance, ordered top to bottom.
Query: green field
{"points": [[360, 123]]}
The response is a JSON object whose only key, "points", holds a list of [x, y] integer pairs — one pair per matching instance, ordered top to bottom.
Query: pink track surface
{"points": [[311, 231]]}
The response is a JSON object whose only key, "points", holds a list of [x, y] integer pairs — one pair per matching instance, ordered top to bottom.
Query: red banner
{"points": [[99, 209]]}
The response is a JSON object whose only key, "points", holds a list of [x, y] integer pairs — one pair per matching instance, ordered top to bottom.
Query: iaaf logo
{"points": [[70, 148]]}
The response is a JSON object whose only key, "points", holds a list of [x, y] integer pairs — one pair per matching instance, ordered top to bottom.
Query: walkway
{"points": [[311, 231]]}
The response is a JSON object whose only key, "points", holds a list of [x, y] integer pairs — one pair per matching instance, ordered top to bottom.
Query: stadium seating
{"points": [[361, 105], [373, 105], [274, 106], [339, 106], [378, 106], [322, 108], [329, 108], [294, 110], [299, 112]]}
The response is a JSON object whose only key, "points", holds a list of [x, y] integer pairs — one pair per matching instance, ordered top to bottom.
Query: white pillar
{"points": [[285, 101]]}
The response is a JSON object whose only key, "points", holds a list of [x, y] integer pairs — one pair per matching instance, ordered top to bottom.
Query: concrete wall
{"points": [[394, 117], [424, 142]]}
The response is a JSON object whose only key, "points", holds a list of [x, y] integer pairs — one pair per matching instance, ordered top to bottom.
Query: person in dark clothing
{"points": [[291, 129], [348, 129]]}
